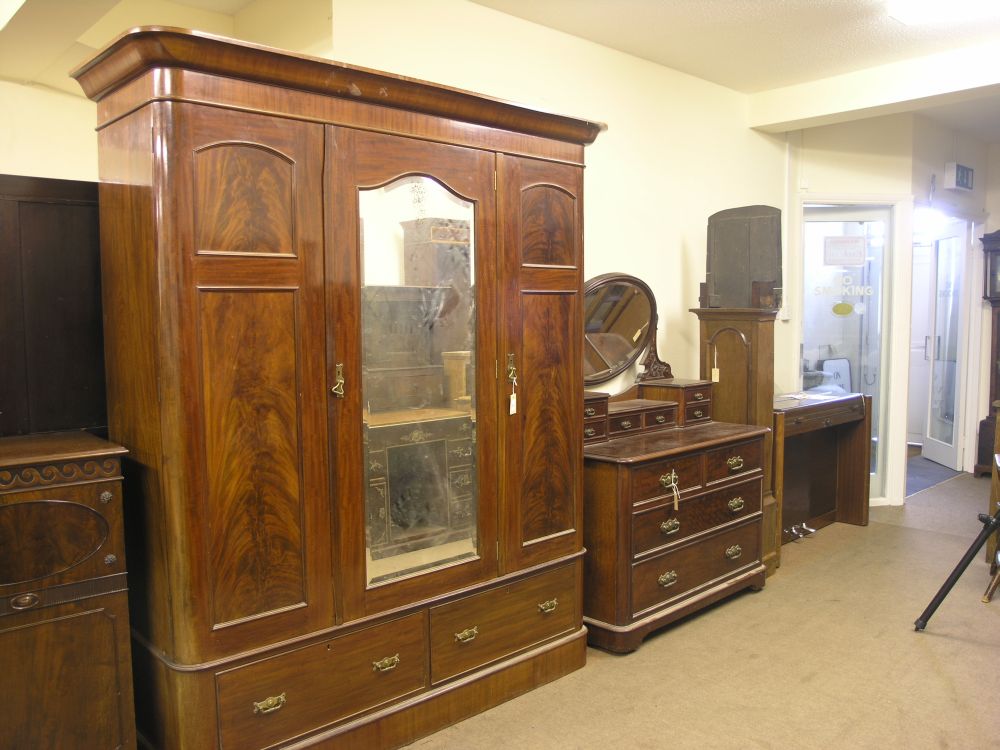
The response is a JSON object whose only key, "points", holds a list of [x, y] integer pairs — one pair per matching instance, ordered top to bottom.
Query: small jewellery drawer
{"points": [[595, 405], [699, 411], [658, 419], [623, 423], [595, 430], [732, 460], [655, 478], [662, 525], [664, 577], [482, 628], [272, 700]]}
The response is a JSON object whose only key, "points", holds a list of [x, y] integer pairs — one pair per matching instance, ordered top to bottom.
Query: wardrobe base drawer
{"points": [[474, 631], [277, 698]]}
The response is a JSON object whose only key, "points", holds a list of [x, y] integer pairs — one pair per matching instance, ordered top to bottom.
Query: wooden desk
{"points": [[822, 459]]}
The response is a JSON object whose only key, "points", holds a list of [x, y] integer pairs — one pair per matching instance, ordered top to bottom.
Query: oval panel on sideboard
{"points": [[43, 538]]}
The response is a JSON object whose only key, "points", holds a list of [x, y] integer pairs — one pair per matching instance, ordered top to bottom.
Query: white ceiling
{"points": [[745, 45]]}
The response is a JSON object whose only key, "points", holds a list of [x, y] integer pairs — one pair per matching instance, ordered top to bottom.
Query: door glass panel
{"points": [[843, 308], [418, 323], [944, 345]]}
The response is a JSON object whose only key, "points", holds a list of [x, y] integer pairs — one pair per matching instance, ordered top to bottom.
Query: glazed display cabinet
{"points": [[342, 315]]}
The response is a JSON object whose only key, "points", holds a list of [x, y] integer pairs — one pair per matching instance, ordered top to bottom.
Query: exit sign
{"points": [[957, 176]]}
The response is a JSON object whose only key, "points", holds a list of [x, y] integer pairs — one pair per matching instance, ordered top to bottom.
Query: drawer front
{"points": [[696, 395], [595, 408], [698, 411], [658, 419], [818, 419], [624, 423], [595, 430], [732, 460], [652, 479], [662, 525], [60, 535], [667, 576], [479, 629], [272, 700]]}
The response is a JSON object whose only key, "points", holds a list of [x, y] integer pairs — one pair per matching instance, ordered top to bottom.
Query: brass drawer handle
{"points": [[699, 396], [590, 411], [698, 414], [660, 419], [626, 424], [589, 432], [461, 452], [735, 463], [669, 481], [106, 497], [736, 504], [670, 527], [734, 552], [110, 559], [667, 579], [24, 601], [549, 606], [469, 634], [387, 664], [269, 705]]}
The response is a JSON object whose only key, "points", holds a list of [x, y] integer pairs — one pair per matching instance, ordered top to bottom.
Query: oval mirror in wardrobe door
{"points": [[619, 315]]}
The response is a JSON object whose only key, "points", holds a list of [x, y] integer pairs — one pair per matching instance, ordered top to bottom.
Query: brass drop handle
{"points": [[338, 385], [699, 396], [590, 411], [698, 414], [660, 419], [626, 424], [589, 432], [735, 463], [669, 481], [736, 504], [670, 527], [734, 552], [667, 579], [548, 606], [469, 634], [387, 664], [269, 705]]}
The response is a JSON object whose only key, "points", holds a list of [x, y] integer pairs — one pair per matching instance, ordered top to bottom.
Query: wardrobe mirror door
{"points": [[418, 326]]}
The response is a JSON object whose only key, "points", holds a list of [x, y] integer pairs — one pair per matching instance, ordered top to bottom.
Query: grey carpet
{"points": [[922, 473], [824, 657]]}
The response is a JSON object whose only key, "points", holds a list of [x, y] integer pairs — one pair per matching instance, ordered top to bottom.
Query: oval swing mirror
{"points": [[619, 323]]}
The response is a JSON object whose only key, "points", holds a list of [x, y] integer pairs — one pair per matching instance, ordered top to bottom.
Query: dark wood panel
{"points": [[245, 196], [541, 313], [64, 342], [14, 415], [549, 443], [253, 452], [73, 681]]}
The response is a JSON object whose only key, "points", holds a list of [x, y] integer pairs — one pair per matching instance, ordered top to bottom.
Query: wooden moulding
{"points": [[148, 47]]}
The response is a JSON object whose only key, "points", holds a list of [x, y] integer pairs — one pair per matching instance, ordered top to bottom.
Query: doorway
{"points": [[939, 345], [844, 349]]}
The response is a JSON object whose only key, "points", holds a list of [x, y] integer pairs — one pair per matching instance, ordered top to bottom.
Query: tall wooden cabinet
{"points": [[342, 328]]}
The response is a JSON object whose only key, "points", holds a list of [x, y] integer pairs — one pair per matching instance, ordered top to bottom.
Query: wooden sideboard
{"points": [[822, 461], [672, 523], [64, 626]]}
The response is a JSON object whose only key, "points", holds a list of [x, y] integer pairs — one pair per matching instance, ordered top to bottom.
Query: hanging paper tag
{"points": [[715, 374], [513, 403]]}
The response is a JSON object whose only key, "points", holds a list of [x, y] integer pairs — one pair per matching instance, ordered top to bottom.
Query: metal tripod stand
{"points": [[990, 525]]}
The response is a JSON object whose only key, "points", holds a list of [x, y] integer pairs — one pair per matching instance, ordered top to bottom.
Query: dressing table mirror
{"points": [[619, 325]]}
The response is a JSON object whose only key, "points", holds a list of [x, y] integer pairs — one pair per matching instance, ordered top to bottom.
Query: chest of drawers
{"points": [[673, 523]]}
